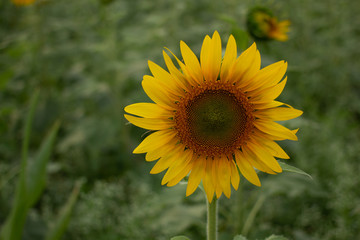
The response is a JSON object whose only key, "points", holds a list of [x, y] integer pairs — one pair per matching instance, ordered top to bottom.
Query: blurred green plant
{"points": [[94, 57], [31, 183], [272, 237]]}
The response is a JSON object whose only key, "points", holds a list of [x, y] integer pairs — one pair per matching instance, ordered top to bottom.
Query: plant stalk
{"points": [[212, 219]]}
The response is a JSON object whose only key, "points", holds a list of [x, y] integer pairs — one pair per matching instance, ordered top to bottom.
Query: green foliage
{"points": [[87, 59], [288, 168], [36, 171], [31, 181], [160, 214], [57, 231], [239, 237], [272, 237], [276, 237], [180, 238]]}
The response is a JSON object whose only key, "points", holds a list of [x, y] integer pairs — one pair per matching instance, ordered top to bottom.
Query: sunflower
{"points": [[22, 2], [263, 25], [213, 118]]}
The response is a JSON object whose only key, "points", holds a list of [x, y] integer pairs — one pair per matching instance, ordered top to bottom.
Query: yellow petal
{"points": [[216, 45], [210, 57], [205, 58], [229, 58], [191, 62], [241, 65], [185, 70], [253, 70], [158, 72], [177, 75], [268, 76], [165, 78], [276, 78], [157, 93], [270, 93], [265, 105], [149, 110], [278, 114], [151, 123], [274, 129], [268, 136], [155, 140], [271, 146], [161, 150], [264, 156], [255, 161], [165, 162], [177, 166], [246, 169], [223, 173], [181, 175], [196, 175], [235, 177], [215, 178], [208, 182], [218, 191]]}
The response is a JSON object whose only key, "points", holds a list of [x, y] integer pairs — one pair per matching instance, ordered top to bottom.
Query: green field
{"points": [[86, 60]]}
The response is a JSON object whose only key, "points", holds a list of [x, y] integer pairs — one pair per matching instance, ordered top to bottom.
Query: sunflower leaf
{"points": [[288, 168], [239, 237], [276, 237], [179, 238]]}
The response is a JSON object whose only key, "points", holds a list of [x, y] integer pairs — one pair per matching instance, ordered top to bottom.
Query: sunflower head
{"points": [[22, 2], [263, 25], [214, 117]]}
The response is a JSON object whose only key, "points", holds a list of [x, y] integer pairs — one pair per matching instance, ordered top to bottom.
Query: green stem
{"points": [[212, 219], [250, 219], [239, 220]]}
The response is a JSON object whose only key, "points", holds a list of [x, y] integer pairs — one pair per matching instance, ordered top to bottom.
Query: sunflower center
{"points": [[214, 120]]}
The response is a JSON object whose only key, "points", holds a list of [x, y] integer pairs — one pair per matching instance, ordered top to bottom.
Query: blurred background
{"points": [[87, 58]]}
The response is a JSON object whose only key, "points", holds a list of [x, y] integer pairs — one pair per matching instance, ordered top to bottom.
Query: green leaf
{"points": [[228, 19], [241, 37], [27, 130], [288, 168], [36, 172], [251, 217], [14, 224], [13, 227], [56, 232], [239, 237], [276, 237], [179, 238]]}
